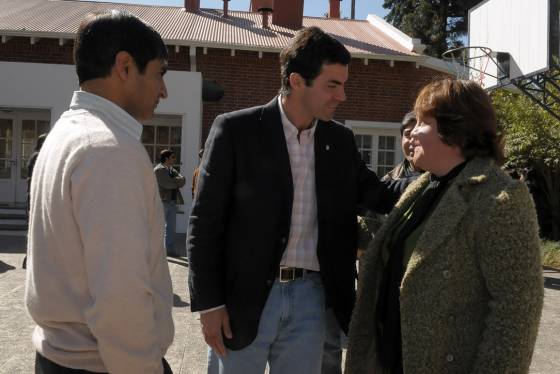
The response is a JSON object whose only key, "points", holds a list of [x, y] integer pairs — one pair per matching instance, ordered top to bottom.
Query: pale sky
{"points": [[315, 8]]}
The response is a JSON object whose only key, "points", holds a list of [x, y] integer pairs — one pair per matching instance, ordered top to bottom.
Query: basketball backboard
{"points": [[522, 34]]}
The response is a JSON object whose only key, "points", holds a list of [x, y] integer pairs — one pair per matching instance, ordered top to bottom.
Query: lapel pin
{"points": [[327, 147]]}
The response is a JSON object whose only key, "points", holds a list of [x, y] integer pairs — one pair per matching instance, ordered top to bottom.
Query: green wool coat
{"points": [[472, 293]]}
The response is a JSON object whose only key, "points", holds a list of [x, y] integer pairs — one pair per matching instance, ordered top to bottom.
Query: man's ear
{"points": [[123, 64], [296, 81]]}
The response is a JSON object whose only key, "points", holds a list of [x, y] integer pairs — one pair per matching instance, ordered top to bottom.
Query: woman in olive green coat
{"points": [[452, 281]]}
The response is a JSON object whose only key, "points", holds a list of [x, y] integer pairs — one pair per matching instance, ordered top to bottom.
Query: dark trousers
{"points": [[45, 366]]}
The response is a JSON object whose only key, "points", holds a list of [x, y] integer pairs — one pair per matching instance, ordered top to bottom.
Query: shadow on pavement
{"points": [[13, 244], [4, 267], [552, 283], [178, 303]]}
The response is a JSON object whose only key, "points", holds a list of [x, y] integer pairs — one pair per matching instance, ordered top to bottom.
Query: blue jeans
{"points": [[170, 211], [290, 335], [334, 342]]}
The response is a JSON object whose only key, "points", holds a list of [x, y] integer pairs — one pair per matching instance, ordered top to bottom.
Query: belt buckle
{"points": [[289, 272]]}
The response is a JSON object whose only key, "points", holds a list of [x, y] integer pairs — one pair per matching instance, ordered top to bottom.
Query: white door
{"points": [[18, 135]]}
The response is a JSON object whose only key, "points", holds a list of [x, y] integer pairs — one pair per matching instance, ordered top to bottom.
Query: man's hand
{"points": [[212, 325]]}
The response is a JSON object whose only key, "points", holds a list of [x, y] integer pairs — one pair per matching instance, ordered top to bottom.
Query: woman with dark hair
{"points": [[406, 168], [452, 282]]}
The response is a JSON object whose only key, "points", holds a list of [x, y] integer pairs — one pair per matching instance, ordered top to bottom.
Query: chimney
{"points": [[192, 5], [256, 5], [334, 8], [265, 12], [288, 13], [225, 15]]}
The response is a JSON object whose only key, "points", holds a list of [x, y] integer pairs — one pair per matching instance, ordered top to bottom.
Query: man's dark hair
{"points": [[102, 35], [306, 54], [465, 117], [40, 140], [165, 154]]}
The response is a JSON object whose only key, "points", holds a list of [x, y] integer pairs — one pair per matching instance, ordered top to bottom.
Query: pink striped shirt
{"points": [[301, 250]]}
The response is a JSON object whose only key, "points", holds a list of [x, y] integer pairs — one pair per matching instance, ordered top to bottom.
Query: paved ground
{"points": [[188, 352]]}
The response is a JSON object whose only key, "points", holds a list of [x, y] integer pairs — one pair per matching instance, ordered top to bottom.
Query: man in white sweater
{"points": [[98, 284]]}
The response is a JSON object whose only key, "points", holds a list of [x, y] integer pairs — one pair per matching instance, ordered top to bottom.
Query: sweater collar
{"points": [[115, 116]]}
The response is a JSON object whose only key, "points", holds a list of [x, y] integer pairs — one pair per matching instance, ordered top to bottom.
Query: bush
{"points": [[551, 253]]}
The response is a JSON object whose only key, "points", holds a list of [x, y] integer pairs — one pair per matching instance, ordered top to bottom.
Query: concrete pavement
{"points": [[188, 352]]}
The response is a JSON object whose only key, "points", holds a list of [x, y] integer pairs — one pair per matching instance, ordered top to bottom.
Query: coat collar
{"points": [[449, 212]]}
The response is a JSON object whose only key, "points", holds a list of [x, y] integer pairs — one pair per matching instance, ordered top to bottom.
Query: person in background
{"points": [[30, 166], [405, 170], [195, 174], [403, 174], [169, 182], [452, 281], [98, 284]]}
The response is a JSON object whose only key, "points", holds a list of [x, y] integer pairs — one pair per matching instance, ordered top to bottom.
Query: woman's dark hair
{"points": [[102, 35], [306, 54], [465, 117], [408, 119], [165, 154]]}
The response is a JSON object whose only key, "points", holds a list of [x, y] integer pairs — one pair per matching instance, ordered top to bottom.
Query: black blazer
{"points": [[240, 220]]}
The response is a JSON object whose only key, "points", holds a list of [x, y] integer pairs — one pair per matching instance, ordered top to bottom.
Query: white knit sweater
{"points": [[98, 283]]}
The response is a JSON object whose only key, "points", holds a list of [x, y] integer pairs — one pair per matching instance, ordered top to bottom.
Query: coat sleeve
{"points": [[208, 220], [509, 257]]}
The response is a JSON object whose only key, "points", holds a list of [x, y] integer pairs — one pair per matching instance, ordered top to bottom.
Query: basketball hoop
{"points": [[469, 63]]}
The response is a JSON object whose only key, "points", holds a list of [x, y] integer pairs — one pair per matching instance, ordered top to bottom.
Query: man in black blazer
{"points": [[272, 235]]}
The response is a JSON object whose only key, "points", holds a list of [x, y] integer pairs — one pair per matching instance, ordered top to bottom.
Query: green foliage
{"points": [[440, 25], [530, 132], [532, 140], [551, 253]]}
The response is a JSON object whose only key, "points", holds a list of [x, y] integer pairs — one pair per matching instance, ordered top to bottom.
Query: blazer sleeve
{"points": [[208, 220], [510, 261]]}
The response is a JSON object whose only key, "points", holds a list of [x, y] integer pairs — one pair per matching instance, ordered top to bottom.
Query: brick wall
{"points": [[43, 51], [375, 92]]}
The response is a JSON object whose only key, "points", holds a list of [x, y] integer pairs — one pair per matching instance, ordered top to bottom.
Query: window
{"points": [[162, 132], [364, 143], [378, 144], [385, 154]]}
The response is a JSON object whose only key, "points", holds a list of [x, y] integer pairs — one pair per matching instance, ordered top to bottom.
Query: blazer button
{"points": [[283, 240], [446, 274], [269, 282], [449, 358]]}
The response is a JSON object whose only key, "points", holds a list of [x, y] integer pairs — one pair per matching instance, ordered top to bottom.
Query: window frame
{"points": [[375, 130]]}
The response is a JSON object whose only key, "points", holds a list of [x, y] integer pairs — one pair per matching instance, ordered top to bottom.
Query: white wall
{"points": [[50, 87]]}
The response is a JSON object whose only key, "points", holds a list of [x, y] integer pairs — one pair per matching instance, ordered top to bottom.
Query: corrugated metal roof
{"points": [[241, 30]]}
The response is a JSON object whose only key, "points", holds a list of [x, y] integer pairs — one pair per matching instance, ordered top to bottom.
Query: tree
{"points": [[439, 24], [532, 137]]}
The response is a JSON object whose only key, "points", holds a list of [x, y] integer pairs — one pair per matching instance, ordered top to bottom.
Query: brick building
{"points": [[232, 50]]}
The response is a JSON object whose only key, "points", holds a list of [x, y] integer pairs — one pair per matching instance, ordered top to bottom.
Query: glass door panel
{"points": [[6, 139], [7, 160]]}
